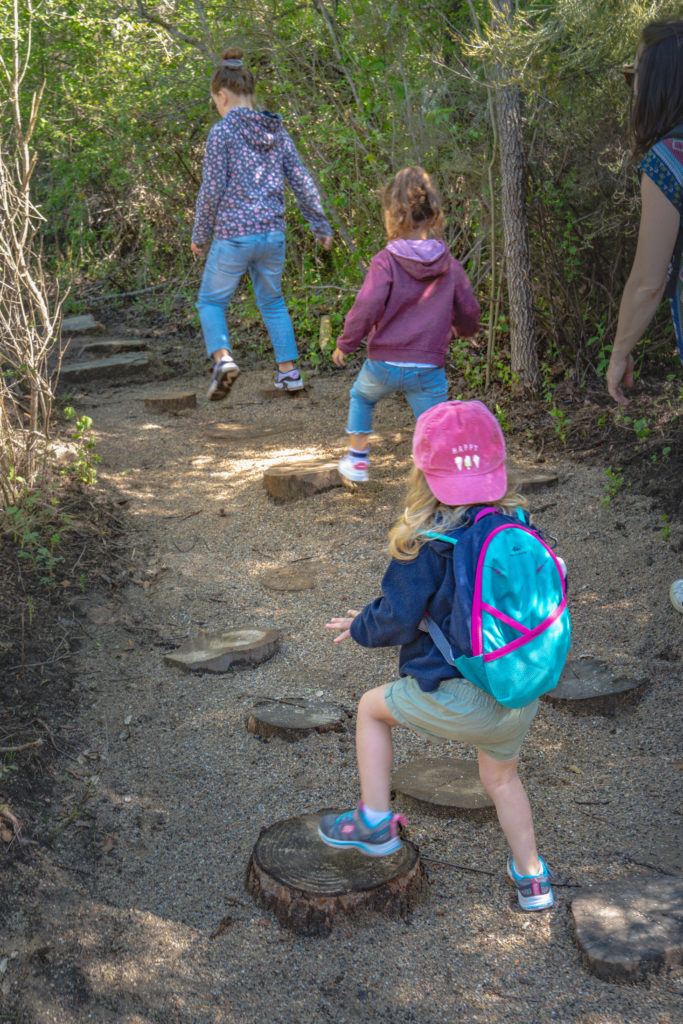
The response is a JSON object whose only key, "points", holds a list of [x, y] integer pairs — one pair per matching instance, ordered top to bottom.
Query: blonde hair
{"points": [[239, 81], [412, 201], [424, 511]]}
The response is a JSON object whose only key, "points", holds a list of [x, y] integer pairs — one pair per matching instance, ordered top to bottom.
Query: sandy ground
{"points": [[153, 820]]}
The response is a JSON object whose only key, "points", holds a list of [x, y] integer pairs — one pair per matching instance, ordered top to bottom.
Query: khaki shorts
{"points": [[458, 710]]}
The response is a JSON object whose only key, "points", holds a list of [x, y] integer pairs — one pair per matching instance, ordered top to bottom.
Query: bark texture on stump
{"points": [[171, 402], [301, 479], [231, 648], [590, 686], [291, 720], [445, 786], [306, 884], [630, 928]]}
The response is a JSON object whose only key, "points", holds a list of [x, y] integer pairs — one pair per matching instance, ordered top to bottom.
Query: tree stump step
{"points": [[111, 346], [272, 392], [172, 401], [235, 432], [528, 478], [294, 480], [290, 577], [231, 648], [591, 686], [291, 719], [445, 786], [307, 884], [631, 927]]}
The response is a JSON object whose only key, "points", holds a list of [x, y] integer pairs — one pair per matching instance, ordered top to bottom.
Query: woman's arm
{"points": [[659, 223]]}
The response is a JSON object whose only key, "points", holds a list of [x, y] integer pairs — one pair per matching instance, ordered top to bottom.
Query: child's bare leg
{"points": [[359, 442], [374, 749], [503, 785]]}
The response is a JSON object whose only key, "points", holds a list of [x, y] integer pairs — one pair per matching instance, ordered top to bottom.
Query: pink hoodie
{"points": [[415, 295]]}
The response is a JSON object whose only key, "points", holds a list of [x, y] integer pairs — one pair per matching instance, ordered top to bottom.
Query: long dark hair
{"points": [[238, 80], [658, 103]]}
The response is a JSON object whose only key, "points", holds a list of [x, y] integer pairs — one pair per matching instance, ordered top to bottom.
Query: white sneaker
{"points": [[222, 376], [290, 381], [355, 470], [676, 595]]}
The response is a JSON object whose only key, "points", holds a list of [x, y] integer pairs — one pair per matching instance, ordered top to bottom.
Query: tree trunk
{"points": [[524, 356]]}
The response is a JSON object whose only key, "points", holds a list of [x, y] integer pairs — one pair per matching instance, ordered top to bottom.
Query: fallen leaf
{"points": [[573, 768], [6, 835], [108, 844]]}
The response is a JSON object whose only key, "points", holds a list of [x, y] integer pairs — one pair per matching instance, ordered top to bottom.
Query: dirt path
{"points": [[153, 824]]}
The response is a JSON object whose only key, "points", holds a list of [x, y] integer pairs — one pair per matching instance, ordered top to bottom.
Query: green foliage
{"points": [[84, 466], [614, 481], [37, 527]]}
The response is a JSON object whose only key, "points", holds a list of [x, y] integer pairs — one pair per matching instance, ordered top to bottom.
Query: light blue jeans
{"points": [[263, 256], [423, 388]]}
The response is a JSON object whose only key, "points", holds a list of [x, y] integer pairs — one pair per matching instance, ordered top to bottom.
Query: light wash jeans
{"points": [[263, 256], [423, 388]]}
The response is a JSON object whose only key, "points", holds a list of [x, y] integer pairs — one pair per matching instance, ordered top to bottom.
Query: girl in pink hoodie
{"points": [[414, 297]]}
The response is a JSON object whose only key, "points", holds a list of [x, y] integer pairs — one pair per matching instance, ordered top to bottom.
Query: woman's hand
{"points": [[326, 242], [196, 250], [338, 358], [620, 370], [342, 623]]}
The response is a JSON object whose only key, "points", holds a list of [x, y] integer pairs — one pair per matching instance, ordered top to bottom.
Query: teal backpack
{"points": [[510, 629]]}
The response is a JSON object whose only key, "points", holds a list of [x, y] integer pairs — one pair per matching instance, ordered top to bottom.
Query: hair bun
{"points": [[233, 53]]}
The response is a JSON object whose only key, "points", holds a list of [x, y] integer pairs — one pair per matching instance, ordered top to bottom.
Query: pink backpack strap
{"points": [[484, 512]]}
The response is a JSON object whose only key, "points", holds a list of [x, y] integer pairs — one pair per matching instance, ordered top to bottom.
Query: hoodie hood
{"points": [[259, 129], [422, 258]]}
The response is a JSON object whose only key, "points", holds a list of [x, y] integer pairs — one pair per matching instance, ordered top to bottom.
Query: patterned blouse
{"points": [[248, 157], [664, 164]]}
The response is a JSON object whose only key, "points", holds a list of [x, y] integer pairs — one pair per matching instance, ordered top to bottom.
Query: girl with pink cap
{"points": [[459, 470]]}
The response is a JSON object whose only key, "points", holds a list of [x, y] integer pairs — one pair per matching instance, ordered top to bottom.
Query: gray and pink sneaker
{"points": [[351, 829], [534, 892]]}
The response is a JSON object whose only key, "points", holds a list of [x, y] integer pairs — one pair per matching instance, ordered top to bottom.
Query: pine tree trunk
{"points": [[524, 355]]}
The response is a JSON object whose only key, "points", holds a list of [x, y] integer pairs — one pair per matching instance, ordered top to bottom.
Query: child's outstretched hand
{"points": [[338, 357], [342, 623]]}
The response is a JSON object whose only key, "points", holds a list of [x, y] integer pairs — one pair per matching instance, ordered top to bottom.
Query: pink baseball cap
{"points": [[460, 448]]}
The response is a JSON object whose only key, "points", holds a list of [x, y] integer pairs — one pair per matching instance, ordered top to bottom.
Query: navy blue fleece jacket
{"points": [[410, 590]]}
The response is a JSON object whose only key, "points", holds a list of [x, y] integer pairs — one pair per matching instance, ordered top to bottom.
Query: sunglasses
{"points": [[628, 73]]}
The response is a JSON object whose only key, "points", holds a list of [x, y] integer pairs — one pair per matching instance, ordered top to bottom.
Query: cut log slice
{"points": [[272, 392], [171, 402], [235, 432], [301, 479], [528, 479], [289, 577], [231, 648], [591, 686], [292, 720], [445, 786], [307, 884], [630, 928]]}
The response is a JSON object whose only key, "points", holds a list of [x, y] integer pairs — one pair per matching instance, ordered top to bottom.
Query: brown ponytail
{"points": [[238, 80], [411, 201]]}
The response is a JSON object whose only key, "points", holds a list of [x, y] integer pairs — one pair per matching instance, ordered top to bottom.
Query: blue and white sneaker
{"points": [[224, 373], [351, 829], [534, 892]]}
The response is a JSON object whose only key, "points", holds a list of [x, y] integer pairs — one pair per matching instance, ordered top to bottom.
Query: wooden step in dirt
{"points": [[81, 325], [108, 346], [123, 366], [171, 401], [234, 433], [301, 479], [528, 479], [291, 577], [229, 649], [591, 686], [292, 718], [446, 786], [307, 885], [629, 928]]}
